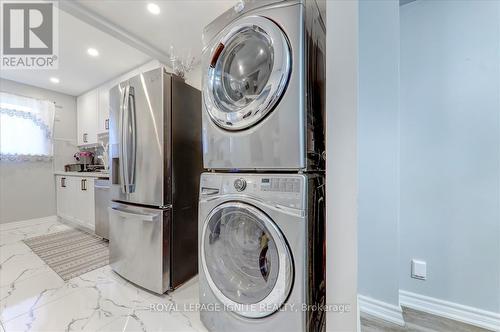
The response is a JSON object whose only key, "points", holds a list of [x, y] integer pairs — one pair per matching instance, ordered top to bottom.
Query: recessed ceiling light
{"points": [[153, 8], [93, 52], [54, 80]]}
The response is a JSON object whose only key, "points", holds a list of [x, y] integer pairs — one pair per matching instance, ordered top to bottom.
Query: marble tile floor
{"points": [[35, 298]]}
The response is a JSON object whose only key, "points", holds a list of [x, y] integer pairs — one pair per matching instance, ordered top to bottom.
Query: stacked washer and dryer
{"points": [[261, 208]]}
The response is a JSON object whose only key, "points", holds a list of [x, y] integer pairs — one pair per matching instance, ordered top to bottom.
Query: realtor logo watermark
{"points": [[30, 38]]}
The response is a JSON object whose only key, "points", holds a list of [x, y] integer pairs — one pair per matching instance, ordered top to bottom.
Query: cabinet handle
{"points": [[106, 124], [85, 138], [63, 182], [84, 184]]}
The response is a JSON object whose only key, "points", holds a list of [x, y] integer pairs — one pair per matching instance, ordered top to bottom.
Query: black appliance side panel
{"points": [[315, 78], [167, 139], [187, 166], [316, 266]]}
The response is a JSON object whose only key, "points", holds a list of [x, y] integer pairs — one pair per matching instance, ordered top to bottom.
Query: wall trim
{"points": [[383, 310], [470, 315]]}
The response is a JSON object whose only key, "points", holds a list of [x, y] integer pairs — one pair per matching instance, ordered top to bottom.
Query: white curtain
{"points": [[26, 127]]}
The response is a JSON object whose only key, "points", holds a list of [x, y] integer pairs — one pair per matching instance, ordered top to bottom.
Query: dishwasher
{"points": [[102, 203]]}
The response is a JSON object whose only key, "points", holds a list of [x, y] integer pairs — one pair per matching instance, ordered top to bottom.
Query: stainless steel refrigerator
{"points": [[156, 161]]}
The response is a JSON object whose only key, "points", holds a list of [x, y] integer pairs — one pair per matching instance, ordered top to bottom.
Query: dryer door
{"points": [[248, 72], [246, 260]]}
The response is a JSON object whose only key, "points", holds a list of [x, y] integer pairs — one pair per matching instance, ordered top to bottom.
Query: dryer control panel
{"points": [[283, 189]]}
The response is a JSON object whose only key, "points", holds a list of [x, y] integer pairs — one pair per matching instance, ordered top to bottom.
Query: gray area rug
{"points": [[70, 253]]}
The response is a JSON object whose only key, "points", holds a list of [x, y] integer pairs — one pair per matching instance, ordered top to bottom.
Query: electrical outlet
{"points": [[418, 269]]}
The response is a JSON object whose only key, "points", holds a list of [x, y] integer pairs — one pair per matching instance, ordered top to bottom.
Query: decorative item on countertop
{"points": [[84, 157]]}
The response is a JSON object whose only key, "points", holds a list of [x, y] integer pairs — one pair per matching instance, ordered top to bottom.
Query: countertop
{"points": [[84, 174]]}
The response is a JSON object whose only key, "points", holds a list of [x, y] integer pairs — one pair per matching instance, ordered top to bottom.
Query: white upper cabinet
{"points": [[93, 107], [103, 109], [93, 115], [87, 116]]}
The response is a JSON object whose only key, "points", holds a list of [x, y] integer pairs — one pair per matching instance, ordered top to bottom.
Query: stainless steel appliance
{"points": [[263, 77], [155, 154], [74, 168], [102, 203], [261, 236], [261, 251]]}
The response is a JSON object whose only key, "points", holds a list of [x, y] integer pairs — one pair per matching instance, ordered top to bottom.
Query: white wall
{"points": [[193, 78], [378, 151], [450, 151], [341, 168], [27, 190]]}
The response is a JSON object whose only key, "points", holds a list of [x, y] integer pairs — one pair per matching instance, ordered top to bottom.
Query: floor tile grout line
{"points": [[13, 228], [28, 228], [40, 266], [70, 291], [44, 304], [36, 308]]}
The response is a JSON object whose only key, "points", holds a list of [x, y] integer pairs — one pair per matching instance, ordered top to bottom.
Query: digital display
{"points": [[265, 180]]}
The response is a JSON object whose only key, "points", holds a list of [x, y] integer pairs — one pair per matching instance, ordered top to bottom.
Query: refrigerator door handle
{"points": [[133, 134], [128, 137], [122, 150], [145, 217]]}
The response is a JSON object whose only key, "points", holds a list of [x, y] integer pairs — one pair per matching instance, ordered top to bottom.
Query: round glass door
{"points": [[248, 73], [246, 260]]}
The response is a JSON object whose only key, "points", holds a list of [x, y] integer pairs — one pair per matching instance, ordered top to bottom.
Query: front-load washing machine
{"points": [[263, 87], [261, 252]]}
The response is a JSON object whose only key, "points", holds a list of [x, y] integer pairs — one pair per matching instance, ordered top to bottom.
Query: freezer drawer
{"points": [[139, 245]]}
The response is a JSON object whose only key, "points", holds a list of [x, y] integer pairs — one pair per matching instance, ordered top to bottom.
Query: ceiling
{"points": [[180, 22], [126, 35], [77, 71]]}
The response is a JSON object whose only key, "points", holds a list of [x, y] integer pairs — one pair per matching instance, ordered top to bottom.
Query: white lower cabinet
{"points": [[62, 194], [75, 200]]}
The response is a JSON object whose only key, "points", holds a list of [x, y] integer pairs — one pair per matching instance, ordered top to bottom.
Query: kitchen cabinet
{"points": [[86, 108], [103, 109], [93, 115], [62, 193], [75, 200], [85, 212]]}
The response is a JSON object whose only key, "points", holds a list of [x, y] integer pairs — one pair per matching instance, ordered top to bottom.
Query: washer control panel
{"points": [[280, 184], [283, 189]]}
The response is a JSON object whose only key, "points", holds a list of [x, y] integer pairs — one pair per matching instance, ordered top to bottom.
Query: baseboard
{"points": [[67, 221], [382, 310], [470, 315]]}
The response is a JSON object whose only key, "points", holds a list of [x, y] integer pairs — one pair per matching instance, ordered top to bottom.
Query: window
{"points": [[26, 126]]}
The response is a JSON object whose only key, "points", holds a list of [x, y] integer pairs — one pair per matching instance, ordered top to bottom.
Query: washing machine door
{"points": [[248, 72], [246, 260]]}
